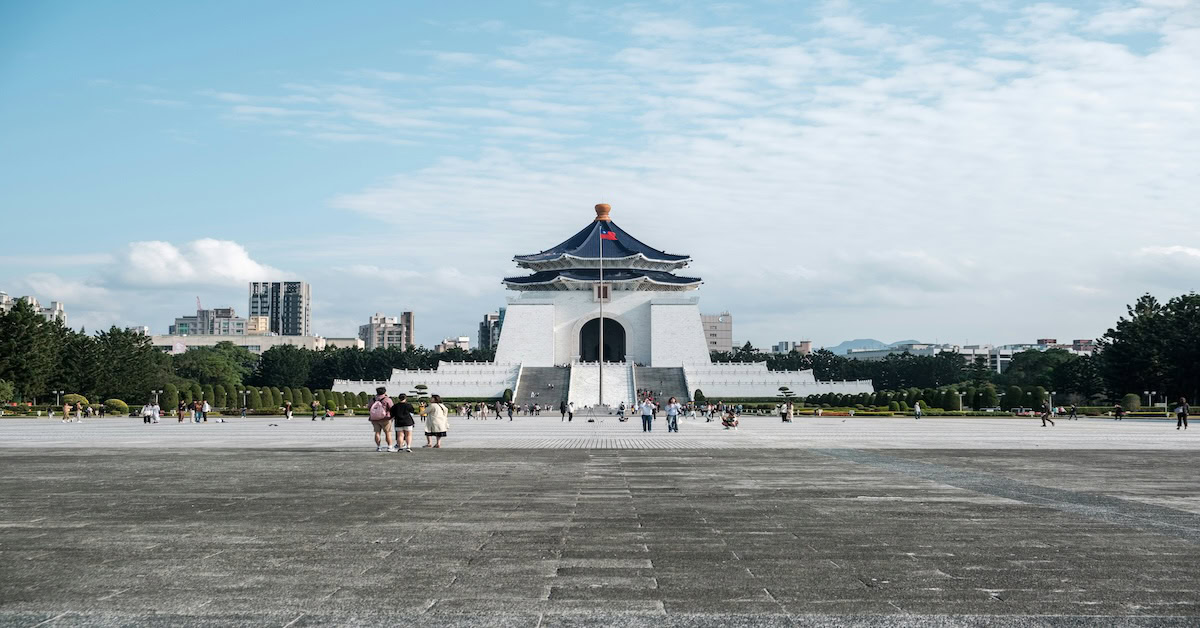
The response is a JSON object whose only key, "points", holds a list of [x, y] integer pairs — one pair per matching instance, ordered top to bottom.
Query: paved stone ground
{"points": [[549, 432], [271, 532]]}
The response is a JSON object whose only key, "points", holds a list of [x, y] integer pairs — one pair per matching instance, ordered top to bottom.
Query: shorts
{"points": [[382, 426], [404, 428]]}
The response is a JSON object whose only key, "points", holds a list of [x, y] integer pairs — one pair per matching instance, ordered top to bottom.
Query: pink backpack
{"points": [[379, 410]]}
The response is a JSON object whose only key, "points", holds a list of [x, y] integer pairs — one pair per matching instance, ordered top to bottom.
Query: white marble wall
{"points": [[676, 333], [528, 336]]}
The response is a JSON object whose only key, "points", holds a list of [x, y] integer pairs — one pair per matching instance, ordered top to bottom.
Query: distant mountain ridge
{"points": [[861, 344]]}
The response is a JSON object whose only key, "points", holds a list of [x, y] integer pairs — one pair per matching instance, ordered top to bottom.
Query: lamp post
{"points": [[244, 393], [1147, 393], [56, 394], [156, 394], [1153, 396], [960, 400], [1052, 406]]}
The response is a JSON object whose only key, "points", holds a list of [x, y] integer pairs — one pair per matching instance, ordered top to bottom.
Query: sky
{"points": [[965, 171]]}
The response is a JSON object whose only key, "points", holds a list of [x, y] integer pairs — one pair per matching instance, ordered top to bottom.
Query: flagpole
{"points": [[602, 314]]}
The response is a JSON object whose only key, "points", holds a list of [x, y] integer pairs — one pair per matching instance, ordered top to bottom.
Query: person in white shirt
{"points": [[673, 409], [647, 410], [154, 412]]}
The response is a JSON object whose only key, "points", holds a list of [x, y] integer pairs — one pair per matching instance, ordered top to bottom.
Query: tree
{"points": [[27, 351], [285, 365], [6, 390], [196, 391], [209, 393], [287, 395], [306, 396], [170, 397], [220, 397], [276, 397], [699, 397], [1014, 397], [990, 398], [256, 400], [1131, 402]]}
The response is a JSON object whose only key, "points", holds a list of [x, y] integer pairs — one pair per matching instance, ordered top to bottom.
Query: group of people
{"points": [[79, 411], [393, 421]]}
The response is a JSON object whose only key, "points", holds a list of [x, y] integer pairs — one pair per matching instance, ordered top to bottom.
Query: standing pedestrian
{"points": [[314, 405], [509, 408], [562, 408], [204, 409], [673, 409], [917, 409], [287, 410], [647, 410], [570, 411], [79, 412], [147, 412], [155, 412], [66, 413], [1181, 413], [402, 415], [1046, 415], [380, 416], [437, 423]]}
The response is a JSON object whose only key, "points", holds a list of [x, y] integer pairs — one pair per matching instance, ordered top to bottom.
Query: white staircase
{"points": [[585, 384]]}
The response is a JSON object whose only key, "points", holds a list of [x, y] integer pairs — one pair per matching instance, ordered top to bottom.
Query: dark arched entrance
{"points": [[614, 341]]}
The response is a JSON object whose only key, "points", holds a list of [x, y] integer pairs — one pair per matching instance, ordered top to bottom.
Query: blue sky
{"points": [[981, 171]]}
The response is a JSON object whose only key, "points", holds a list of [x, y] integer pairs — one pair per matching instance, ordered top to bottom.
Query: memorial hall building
{"points": [[602, 299]]}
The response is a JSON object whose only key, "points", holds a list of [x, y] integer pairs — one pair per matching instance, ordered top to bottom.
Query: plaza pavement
{"points": [[880, 522]]}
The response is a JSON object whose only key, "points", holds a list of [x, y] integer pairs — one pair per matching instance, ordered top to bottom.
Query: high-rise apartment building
{"points": [[286, 304], [56, 311], [220, 321], [489, 329], [718, 331], [382, 332]]}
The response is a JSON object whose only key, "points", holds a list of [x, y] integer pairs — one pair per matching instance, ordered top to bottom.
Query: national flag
{"points": [[606, 234]]}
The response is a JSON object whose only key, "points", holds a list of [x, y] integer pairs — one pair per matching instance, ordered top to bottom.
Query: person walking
{"points": [[314, 405], [509, 408], [205, 409], [562, 409], [673, 409], [180, 410], [287, 410], [647, 410], [917, 410], [570, 411], [79, 412], [147, 412], [155, 412], [1119, 412], [66, 413], [1181, 413], [1046, 415], [380, 416], [402, 416], [1074, 416], [437, 422]]}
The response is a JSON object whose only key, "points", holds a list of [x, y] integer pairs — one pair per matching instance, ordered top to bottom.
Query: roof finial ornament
{"points": [[602, 212]]}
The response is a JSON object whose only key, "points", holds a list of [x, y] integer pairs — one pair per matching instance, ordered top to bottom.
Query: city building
{"points": [[286, 304], [56, 311], [599, 316], [220, 321], [258, 325], [139, 329], [489, 329], [718, 331], [383, 332], [460, 342], [344, 343], [176, 344], [803, 347], [997, 358]]}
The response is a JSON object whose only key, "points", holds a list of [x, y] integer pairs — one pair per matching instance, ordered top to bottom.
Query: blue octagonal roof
{"points": [[586, 245]]}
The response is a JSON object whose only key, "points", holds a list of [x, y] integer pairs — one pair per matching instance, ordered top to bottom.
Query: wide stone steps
{"points": [[665, 382], [549, 384]]}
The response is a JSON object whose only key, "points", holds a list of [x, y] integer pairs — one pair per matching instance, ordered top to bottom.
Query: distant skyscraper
{"points": [[286, 304], [56, 311], [489, 329], [382, 331], [718, 331]]}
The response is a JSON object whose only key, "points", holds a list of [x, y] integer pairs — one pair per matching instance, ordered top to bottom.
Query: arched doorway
{"points": [[614, 341]]}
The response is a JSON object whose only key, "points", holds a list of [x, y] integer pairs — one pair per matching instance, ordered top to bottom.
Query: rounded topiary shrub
{"points": [[74, 399], [116, 405]]}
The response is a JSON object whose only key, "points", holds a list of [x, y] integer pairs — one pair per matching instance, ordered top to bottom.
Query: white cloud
{"points": [[199, 262]]}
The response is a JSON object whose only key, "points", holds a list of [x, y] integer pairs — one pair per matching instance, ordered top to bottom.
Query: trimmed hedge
{"points": [[116, 405]]}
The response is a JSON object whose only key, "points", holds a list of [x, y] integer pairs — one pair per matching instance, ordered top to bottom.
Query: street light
{"points": [[156, 393], [244, 393], [1147, 393], [56, 394], [1153, 396], [960, 400], [1052, 406]]}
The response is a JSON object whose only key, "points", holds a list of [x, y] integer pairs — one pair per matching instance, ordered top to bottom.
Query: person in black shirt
{"points": [[402, 414]]}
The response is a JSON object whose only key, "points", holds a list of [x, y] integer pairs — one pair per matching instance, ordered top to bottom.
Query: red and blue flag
{"points": [[607, 234]]}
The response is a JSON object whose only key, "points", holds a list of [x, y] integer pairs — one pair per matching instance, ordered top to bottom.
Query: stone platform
{"points": [[813, 523]]}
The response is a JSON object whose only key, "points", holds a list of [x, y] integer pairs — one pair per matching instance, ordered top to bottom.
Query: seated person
{"points": [[730, 420]]}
